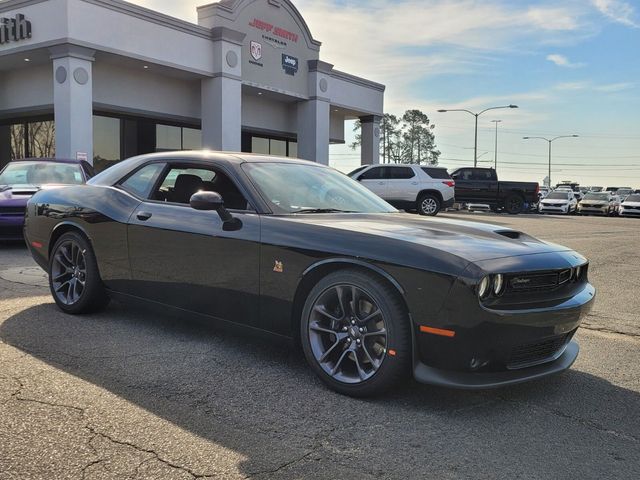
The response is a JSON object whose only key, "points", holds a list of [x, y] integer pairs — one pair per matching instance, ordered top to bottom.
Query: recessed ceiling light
{"points": [[27, 59], [145, 67], [259, 93]]}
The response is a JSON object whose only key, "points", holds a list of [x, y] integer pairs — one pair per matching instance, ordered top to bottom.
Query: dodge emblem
{"points": [[256, 50]]}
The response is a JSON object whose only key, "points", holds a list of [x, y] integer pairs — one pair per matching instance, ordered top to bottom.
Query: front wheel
{"points": [[428, 205], [74, 279], [355, 333]]}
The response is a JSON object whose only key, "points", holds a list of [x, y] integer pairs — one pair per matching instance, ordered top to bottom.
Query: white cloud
{"points": [[618, 11], [562, 61], [614, 87]]}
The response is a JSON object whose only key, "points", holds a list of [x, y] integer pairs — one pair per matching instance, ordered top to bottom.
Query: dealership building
{"points": [[106, 80]]}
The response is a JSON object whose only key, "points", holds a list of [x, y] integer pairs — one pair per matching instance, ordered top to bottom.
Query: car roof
{"points": [[47, 159]]}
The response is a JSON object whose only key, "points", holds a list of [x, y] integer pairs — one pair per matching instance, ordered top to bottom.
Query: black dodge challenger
{"points": [[301, 251]]}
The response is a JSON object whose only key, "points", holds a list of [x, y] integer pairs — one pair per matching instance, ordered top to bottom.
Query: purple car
{"points": [[20, 179]]}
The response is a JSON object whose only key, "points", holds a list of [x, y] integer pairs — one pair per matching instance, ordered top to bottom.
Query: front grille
{"points": [[552, 205], [12, 211], [538, 281], [534, 353]]}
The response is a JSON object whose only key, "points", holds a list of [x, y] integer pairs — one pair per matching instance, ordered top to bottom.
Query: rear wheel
{"points": [[514, 204], [428, 205], [74, 280], [355, 333]]}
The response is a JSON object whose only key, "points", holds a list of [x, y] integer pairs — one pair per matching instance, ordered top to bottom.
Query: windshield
{"points": [[41, 173], [298, 188], [624, 191], [558, 196], [597, 196], [633, 198]]}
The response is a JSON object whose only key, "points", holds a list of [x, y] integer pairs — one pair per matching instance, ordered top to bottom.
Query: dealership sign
{"points": [[14, 29], [277, 31], [289, 64]]}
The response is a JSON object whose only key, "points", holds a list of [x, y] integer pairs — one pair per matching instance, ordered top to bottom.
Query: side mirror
{"points": [[209, 201]]}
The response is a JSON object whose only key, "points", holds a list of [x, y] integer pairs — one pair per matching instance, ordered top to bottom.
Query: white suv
{"points": [[410, 187]]}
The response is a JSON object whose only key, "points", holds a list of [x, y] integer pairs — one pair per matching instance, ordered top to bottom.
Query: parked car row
{"points": [[564, 200]]}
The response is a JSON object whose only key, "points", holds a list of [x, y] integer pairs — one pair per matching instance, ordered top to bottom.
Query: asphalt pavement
{"points": [[131, 394]]}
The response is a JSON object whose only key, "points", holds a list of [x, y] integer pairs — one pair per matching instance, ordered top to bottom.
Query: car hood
{"points": [[549, 201], [596, 202], [630, 204], [469, 240]]}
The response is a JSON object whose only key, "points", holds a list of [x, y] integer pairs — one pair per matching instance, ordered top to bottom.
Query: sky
{"points": [[572, 67]]}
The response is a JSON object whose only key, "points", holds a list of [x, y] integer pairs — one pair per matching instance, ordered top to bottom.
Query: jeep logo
{"points": [[14, 29]]}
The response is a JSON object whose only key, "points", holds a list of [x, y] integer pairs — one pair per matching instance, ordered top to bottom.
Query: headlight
{"points": [[498, 284], [483, 287]]}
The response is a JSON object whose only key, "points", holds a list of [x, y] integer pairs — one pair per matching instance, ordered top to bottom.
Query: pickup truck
{"points": [[481, 185]]}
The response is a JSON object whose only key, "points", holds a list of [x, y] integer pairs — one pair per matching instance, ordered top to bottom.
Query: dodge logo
{"points": [[256, 50]]}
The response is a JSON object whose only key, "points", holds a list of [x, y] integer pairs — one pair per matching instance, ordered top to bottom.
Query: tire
{"points": [[514, 204], [428, 205], [71, 263], [355, 359]]}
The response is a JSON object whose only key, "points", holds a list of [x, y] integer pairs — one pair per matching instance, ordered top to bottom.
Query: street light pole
{"points": [[550, 142], [475, 149], [495, 156]]}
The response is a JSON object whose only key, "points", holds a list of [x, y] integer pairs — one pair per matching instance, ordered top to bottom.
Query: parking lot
{"points": [[132, 394]]}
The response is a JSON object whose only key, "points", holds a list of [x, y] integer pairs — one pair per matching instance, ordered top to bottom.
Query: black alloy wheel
{"points": [[514, 204], [428, 205], [73, 276], [355, 333]]}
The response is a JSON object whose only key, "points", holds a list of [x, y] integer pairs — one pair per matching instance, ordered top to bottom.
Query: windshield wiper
{"points": [[322, 210]]}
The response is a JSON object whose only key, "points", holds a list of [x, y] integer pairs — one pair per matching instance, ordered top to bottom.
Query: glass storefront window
{"points": [[17, 133], [168, 138], [42, 139], [191, 139], [106, 142], [260, 145], [271, 146], [278, 147], [293, 149]]}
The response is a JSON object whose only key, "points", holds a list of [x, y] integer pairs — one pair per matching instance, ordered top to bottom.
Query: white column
{"points": [[222, 94], [73, 101], [314, 115], [313, 130], [370, 145]]}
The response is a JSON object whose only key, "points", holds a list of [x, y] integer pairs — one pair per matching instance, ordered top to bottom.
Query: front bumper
{"points": [[548, 209], [594, 210], [627, 212], [11, 227], [507, 341], [479, 381]]}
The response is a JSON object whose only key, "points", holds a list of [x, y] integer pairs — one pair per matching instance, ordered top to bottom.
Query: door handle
{"points": [[143, 216]]}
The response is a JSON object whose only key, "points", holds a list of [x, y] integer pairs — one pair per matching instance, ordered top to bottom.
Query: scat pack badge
{"points": [[278, 267]]}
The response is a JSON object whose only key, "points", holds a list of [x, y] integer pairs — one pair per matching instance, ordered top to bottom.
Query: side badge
{"points": [[278, 267]]}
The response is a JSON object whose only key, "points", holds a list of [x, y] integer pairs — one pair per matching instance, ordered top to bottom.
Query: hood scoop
{"points": [[512, 234]]}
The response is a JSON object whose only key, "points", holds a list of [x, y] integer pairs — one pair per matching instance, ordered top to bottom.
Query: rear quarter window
{"points": [[437, 173]]}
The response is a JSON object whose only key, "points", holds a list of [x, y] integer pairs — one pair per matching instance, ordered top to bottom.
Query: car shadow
{"points": [[259, 399]]}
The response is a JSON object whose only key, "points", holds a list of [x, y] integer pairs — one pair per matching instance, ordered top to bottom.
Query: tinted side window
{"points": [[356, 171], [401, 172], [375, 173], [437, 173], [465, 174], [483, 175], [142, 181], [180, 183]]}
